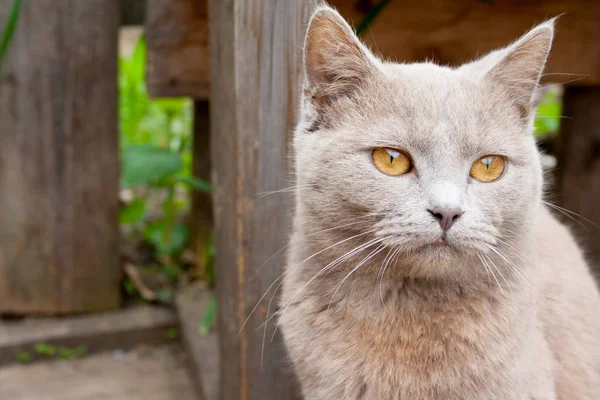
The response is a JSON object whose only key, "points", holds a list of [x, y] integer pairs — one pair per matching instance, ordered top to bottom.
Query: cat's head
{"points": [[442, 159]]}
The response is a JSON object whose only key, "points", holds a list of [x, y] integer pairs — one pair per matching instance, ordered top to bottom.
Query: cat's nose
{"points": [[446, 216]]}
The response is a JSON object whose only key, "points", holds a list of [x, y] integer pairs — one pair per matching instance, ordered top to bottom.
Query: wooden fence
{"points": [[255, 62], [59, 159], [59, 239]]}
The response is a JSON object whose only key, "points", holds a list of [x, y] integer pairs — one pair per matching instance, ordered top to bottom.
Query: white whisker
{"points": [[377, 250], [296, 266], [492, 272]]}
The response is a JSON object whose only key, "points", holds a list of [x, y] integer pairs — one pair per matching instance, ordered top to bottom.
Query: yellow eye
{"points": [[391, 162], [488, 168]]}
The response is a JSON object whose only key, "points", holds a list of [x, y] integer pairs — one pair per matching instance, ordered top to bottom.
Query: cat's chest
{"points": [[432, 340], [420, 347]]}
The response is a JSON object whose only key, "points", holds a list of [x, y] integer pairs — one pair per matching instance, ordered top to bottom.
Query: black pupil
{"points": [[487, 161]]}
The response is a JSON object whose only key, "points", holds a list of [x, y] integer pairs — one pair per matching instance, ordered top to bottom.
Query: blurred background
{"points": [[145, 188]]}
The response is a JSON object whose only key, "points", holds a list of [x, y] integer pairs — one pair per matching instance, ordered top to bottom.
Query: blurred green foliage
{"points": [[547, 120], [156, 165], [209, 318], [49, 350]]}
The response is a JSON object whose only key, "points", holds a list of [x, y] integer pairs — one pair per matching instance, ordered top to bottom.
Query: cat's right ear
{"points": [[336, 63]]}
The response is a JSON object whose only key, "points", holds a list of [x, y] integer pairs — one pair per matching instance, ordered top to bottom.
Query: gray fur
{"points": [[508, 311]]}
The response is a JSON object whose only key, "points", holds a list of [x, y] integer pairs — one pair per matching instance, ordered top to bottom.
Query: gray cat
{"points": [[424, 263]]}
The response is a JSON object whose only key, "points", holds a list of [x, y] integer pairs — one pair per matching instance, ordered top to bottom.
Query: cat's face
{"points": [[401, 146]]}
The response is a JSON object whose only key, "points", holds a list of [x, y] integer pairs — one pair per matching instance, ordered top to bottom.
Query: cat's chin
{"points": [[437, 257]]}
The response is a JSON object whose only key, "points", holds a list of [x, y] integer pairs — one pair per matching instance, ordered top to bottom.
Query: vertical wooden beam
{"points": [[133, 12], [256, 64], [59, 159], [579, 166], [202, 212]]}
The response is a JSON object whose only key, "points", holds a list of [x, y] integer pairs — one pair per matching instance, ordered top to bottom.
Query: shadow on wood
{"points": [[579, 168]]}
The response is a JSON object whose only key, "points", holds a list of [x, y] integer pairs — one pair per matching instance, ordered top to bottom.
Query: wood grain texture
{"points": [[447, 31], [455, 31], [256, 51], [178, 54], [59, 165], [579, 168]]}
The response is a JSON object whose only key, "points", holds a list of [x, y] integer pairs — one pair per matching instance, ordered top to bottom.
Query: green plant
{"points": [[371, 16], [9, 29], [547, 120], [156, 167], [208, 320], [172, 333], [66, 353], [24, 357]]}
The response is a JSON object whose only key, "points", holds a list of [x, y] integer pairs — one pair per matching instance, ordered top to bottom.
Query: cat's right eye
{"points": [[391, 162]]}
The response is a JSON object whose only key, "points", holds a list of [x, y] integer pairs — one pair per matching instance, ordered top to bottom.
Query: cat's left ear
{"points": [[518, 67]]}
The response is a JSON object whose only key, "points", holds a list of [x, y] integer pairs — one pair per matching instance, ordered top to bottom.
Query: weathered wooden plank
{"points": [[448, 31], [455, 31], [256, 48], [178, 54], [59, 165], [579, 168], [121, 329]]}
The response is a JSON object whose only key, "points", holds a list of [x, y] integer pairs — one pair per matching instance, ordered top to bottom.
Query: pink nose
{"points": [[445, 216]]}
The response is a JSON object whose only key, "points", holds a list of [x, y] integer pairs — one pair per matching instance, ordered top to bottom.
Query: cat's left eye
{"points": [[488, 168]]}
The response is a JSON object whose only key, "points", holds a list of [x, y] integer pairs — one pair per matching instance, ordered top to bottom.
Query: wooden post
{"points": [[133, 12], [178, 54], [256, 64], [59, 159], [579, 166], [202, 211]]}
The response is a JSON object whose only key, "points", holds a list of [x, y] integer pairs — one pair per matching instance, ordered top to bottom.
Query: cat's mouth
{"points": [[442, 241]]}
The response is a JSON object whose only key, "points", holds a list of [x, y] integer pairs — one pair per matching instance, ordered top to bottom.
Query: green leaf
{"points": [[371, 16], [9, 29], [138, 60], [171, 105], [547, 120], [144, 164], [196, 183], [132, 212], [156, 233], [209, 259], [129, 287], [208, 320], [172, 333], [45, 349], [71, 354], [24, 357]]}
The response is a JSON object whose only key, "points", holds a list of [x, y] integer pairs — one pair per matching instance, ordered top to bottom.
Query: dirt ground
{"points": [[150, 373]]}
